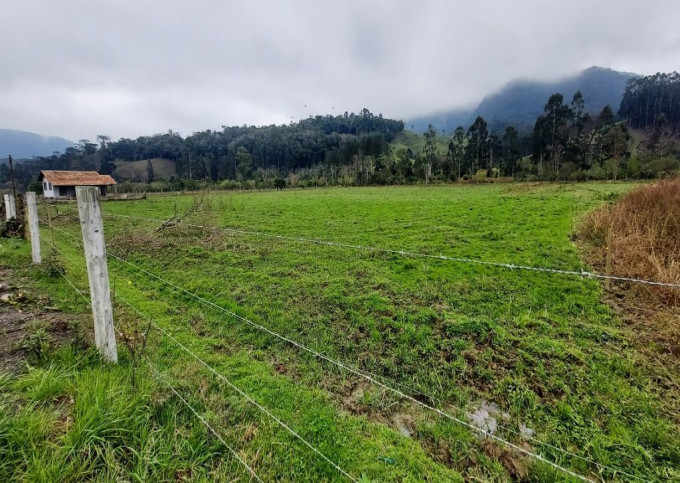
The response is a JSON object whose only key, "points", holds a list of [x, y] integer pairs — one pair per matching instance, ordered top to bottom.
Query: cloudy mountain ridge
{"points": [[521, 101]]}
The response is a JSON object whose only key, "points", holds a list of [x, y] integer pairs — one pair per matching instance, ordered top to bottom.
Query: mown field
{"points": [[544, 348]]}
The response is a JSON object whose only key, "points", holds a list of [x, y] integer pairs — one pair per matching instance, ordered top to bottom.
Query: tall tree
{"points": [[646, 98], [558, 115], [477, 134], [615, 147], [457, 149], [511, 150], [430, 151], [244, 165]]}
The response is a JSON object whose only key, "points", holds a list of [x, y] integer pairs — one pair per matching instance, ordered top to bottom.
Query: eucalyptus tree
{"points": [[477, 135], [511, 150], [430, 151], [456, 152]]}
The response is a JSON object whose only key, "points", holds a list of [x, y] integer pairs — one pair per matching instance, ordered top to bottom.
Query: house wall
{"points": [[49, 190], [64, 191]]}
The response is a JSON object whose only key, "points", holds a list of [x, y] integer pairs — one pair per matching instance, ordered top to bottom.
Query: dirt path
{"points": [[28, 325]]}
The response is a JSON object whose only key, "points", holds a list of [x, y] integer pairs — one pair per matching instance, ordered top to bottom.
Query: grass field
{"points": [[544, 348]]}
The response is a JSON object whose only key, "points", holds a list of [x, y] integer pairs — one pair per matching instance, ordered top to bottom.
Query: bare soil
{"points": [[19, 314]]}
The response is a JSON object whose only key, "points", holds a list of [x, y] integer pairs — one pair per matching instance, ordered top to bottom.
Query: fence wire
{"points": [[370, 377]]}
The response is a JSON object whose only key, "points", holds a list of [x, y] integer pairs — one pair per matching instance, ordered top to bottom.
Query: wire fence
{"points": [[412, 254], [160, 376], [221, 376], [379, 381]]}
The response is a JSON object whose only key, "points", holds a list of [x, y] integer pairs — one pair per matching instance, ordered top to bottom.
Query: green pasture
{"points": [[543, 347]]}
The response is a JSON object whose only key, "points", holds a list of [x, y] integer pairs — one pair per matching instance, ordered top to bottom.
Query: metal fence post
{"points": [[97, 270]]}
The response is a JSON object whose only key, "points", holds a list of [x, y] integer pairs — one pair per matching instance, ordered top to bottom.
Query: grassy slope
{"points": [[409, 139], [162, 169], [542, 346]]}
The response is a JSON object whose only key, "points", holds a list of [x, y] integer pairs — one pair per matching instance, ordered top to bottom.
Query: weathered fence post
{"points": [[10, 206], [33, 227], [97, 270]]}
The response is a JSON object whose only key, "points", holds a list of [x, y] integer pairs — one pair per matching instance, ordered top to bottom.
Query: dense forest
{"points": [[652, 99], [566, 143]]}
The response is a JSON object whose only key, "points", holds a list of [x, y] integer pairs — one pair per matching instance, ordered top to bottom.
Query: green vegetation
{"points": [[648, 98], [569, 141], [137, 171], [544, 347], [72, 417]]}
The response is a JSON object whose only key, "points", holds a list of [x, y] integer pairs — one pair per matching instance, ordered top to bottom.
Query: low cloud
{"points": [[124, 68]]}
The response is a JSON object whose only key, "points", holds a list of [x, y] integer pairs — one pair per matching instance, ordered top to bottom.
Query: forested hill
{"points": [[521, 101], [26, 145], [236, 152]]}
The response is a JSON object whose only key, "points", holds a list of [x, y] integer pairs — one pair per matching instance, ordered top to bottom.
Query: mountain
{"points": [[521, 101], [447, 120], [26, 145]]}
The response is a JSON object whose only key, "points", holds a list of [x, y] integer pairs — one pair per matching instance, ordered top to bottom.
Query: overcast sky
{"points": [[135, 67]]}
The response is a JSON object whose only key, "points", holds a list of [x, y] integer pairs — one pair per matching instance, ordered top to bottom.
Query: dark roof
{"points": [[76, 178]]}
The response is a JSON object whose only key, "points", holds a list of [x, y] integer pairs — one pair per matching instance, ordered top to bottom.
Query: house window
{"points": [[45, 185]]}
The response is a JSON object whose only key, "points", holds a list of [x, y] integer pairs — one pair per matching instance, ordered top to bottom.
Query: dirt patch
{"points": [[28, 324], [486, 416]]}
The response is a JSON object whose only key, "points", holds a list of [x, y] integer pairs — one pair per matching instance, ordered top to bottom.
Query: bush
{"points": [[661, 168], [579, 175]]}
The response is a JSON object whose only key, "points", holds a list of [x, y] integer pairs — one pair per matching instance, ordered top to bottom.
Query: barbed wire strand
{"points": [[63, 232], [411, 254], [54, 265], [157, 372], [357, 372], [365, 374], [237, 389], [252, 401], [200, 418]]}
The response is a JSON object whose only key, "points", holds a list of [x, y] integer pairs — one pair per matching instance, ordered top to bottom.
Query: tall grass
{"points": [[645, 238], [73, 418]]}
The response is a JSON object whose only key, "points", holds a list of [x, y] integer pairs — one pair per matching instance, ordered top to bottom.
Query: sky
{"points": [[127, 68]]}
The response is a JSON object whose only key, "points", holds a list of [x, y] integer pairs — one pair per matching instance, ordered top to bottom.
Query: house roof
{"points": [[76, 178]]}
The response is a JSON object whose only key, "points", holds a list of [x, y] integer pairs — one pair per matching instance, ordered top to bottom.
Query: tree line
{"points": [[566, 143]]}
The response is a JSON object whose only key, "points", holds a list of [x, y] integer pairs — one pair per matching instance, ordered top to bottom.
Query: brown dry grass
{"points": [[645, 238], [645, 243]]}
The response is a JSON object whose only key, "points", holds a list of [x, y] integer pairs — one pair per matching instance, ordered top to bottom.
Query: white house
{"points": [[62, 184]]}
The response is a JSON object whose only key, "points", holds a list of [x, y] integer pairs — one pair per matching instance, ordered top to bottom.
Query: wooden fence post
{"points": [[10, 207], [33, 227], [97, 270]]}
